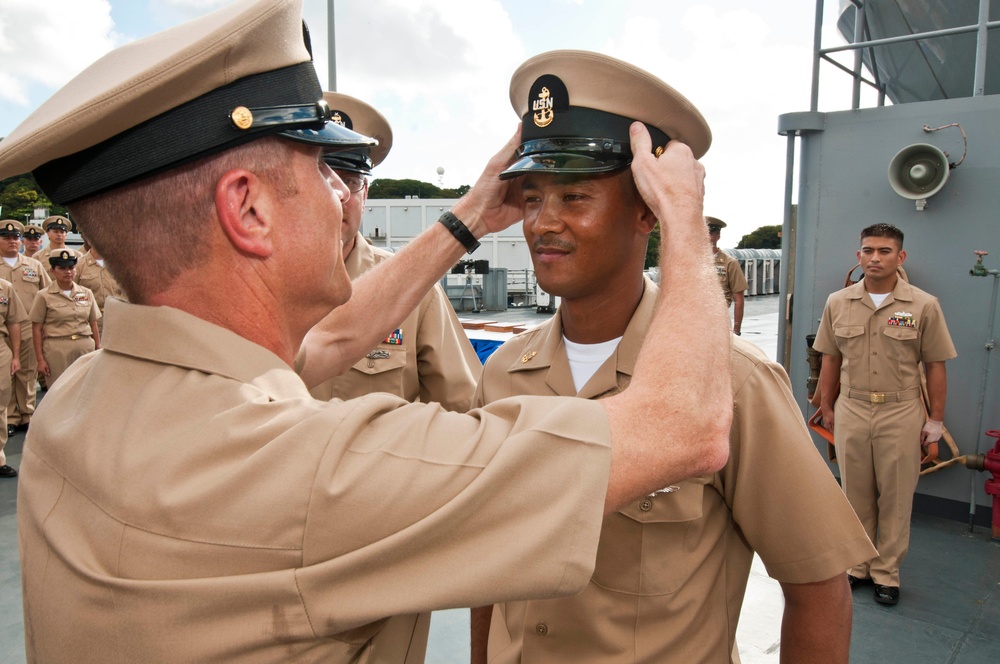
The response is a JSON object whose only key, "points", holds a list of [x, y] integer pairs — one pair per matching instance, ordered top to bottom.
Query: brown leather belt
{"points": [[72, 337], [881, 397]]}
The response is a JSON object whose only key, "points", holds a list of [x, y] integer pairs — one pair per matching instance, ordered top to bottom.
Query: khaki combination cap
{"points": [[238, 74], [576, 108], [364, 119], [57, 221], [713, 221], [11, 228], [32, 231], [62, 258]]}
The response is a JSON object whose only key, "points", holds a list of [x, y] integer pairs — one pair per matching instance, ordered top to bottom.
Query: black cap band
{"points": [[284, 97], [577, 140]]}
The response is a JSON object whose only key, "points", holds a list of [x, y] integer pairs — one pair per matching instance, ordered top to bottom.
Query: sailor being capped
{"points": [[576, 108]]}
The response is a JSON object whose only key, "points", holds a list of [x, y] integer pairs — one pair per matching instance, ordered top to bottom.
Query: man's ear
{"points": [[241, 208], [647, 220]]}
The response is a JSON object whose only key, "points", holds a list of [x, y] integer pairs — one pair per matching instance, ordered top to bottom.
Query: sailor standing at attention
{"points": [[63, 319], [873, 336]]}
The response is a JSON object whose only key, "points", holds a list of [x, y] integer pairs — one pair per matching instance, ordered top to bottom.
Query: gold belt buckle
{"points": [[74, 337], [877, 397]]}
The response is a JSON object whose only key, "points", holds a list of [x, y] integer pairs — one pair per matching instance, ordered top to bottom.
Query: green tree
{"points": [[388, 188], [20, 195], [765, 237], [653, 248]]}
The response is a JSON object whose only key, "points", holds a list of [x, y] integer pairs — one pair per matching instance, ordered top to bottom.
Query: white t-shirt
{"points": [[878, 298], [586, 359]]}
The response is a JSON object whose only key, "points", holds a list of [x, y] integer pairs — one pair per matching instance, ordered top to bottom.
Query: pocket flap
{"points": [[849, 331], [901, 333], [384, 358]]}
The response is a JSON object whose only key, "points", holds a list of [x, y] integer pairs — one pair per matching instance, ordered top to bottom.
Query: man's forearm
{"points": [[738, 303], [353, 329], [937, 389], [673, 421], [816, 624]]}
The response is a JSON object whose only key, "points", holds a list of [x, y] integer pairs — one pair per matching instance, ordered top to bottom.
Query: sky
{"points": [[439, 70]]}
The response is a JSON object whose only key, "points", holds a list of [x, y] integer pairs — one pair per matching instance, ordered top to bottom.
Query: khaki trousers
{"points": [[60, 353], [5, 390], [21, 401], [878, 452]]}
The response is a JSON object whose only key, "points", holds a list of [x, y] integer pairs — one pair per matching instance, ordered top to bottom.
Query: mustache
{"points": [[551, 243]]}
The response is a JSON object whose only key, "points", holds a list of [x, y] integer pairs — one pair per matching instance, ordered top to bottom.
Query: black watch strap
{"points": [[460, 231]]}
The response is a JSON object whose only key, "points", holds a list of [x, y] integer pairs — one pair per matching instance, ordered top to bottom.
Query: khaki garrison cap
{"points": [[227, 78], [576, 108], [362, 118], [713, 221], [57, 222], [11, 227], [63, 257]]}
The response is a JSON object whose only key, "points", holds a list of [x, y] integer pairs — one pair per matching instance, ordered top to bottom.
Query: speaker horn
{"points": [[918, 171]]}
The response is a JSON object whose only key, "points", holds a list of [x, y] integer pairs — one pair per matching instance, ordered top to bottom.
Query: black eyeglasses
{"points": [[355, 183]]}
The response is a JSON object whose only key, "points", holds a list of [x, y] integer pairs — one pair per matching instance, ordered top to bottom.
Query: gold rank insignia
{"points": [[543, 109], [336, 119], [528, 356]]}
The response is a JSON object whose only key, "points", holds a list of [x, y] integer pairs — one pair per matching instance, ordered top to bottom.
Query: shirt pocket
{"points": [[60, 311], [850, 340], [902, 344], [381, 370], [645, 548]]}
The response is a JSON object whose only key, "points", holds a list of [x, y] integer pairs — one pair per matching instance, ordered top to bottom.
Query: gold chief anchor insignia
{"points": [[543, 109]]}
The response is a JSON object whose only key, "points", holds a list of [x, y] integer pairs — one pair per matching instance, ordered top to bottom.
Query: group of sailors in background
{"points": [[51, 302]]}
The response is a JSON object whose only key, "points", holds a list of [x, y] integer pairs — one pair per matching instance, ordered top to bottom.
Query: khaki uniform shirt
{"points": [[730, 275], [28, 277], [98, 279], [12, 310], [63, 316], [882, 348], [429, 358], [206, 509], [672, 568]]}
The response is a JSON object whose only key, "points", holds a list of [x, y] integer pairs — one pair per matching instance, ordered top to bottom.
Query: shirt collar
{"points": [[173, 337]]}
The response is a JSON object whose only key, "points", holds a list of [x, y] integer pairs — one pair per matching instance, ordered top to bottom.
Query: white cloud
{"points": [[47, 42], [438, 70]]}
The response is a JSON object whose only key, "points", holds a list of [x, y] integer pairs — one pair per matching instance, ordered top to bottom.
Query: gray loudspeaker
{"points": [[918, 172]]}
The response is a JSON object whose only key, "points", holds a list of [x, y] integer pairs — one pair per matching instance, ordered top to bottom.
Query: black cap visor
{"points": [[329, 135], [569, 155], [349, 160]]}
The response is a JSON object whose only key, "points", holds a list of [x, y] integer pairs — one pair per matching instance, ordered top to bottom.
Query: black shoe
{"points": [[23, 427], [11, 430], [7, 471], [858, 581], [886, 594]]}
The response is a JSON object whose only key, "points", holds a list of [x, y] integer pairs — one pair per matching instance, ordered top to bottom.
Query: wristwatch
{"points": [[460, 231]]}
